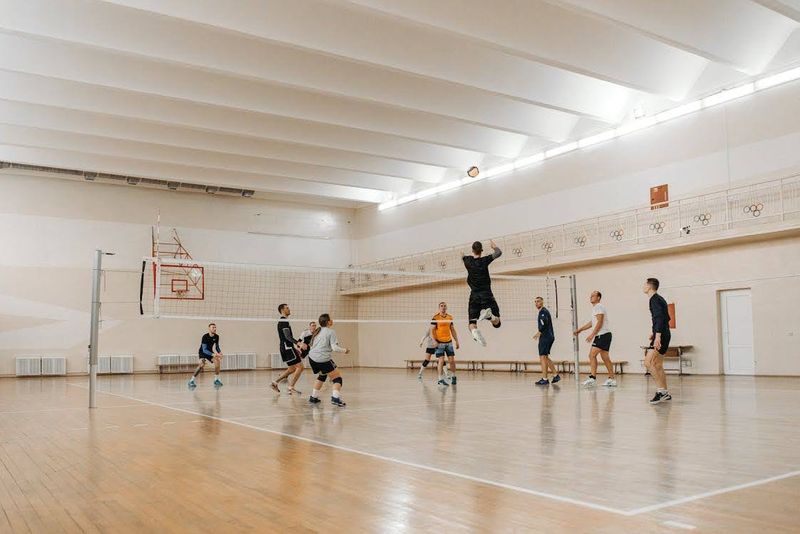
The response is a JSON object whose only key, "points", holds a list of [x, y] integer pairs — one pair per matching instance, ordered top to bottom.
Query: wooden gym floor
{"points": [[492, 454]]}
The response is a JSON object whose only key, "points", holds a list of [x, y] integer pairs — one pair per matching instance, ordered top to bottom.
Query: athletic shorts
{"points": [[480, 302], [665, 339], [603, 342], [545, 344], [445, 348], [430, 350], [289, 356], [206, 357], [322, 368]]}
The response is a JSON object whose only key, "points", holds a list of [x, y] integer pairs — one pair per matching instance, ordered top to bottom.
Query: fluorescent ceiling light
{"points": [[777, 79], [730, 94], [679, 111], [635, 126], [599, 138], [563, 149], [528, 160], [500, 169], [447, 186]]}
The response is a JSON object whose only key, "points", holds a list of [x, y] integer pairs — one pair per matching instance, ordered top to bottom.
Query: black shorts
{"points": [[479, 302], [665, 339], [603, 342], [545, 344], [430, 350], [289, 356], [210, 359], [322, 368]]}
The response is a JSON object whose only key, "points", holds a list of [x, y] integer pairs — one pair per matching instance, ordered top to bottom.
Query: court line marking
{"points": [[82, 408], [479, 480], [698, 496], [569, 500], [678, 524]]}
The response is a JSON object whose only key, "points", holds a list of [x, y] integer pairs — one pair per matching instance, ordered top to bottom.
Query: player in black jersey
{"points": [[482, 304], [659, 340], [291, 351], [209, 352]]}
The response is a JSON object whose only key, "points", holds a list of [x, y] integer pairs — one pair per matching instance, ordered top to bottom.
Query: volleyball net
{"points": [[192, 289]]}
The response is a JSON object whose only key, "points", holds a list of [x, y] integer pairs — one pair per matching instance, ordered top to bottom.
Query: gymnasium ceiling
{"points": [[354, 102]]}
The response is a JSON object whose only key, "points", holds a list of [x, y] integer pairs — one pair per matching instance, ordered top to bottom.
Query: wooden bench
{"points": [[673, 353], [480, 365], [568, 366]]}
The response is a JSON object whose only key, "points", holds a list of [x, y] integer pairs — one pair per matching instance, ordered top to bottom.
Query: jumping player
{"points": [[482, 304], [546, 337], [659, 340], [323, 344], [209, 352]]}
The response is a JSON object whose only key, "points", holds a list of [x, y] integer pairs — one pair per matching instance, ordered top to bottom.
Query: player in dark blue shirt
{"points": [[546, 336], [659, 340], [209, 352], [291, 352]]}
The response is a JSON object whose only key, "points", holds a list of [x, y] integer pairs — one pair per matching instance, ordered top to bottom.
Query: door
{"points": [[737, 332]]}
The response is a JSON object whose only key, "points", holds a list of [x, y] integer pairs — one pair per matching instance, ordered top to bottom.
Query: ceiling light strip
{"points": [[716, 99]]}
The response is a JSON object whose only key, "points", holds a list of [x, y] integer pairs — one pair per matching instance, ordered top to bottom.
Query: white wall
{"points": [[752, 139], [51, 227]]}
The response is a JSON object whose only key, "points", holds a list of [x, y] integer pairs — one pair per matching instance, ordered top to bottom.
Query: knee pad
{"points": [[497, 325], [425, 363], [322, 378], [338, 380]]}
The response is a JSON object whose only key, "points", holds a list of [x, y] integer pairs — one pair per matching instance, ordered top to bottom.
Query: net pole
{"points": [[157, 288], [573, 296], [94, 327]]}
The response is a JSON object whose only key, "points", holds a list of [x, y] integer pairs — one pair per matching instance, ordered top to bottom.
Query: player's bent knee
{"points": [[497, 325], [425, 363], [322, 378], [338, 380]]}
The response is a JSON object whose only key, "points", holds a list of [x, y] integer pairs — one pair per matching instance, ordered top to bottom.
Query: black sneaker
{"points": [[556, 378], [453, 380], [543, 382], [661, 397], [313, 400], [337, 402]]}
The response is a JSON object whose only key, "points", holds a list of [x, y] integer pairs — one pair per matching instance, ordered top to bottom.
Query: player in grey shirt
{"points": [[323, 344]]}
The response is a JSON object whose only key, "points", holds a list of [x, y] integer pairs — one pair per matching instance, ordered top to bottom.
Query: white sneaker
{"points": [[486, 314], [477, 336], [419, 375], [589, 382], [610, 383]]}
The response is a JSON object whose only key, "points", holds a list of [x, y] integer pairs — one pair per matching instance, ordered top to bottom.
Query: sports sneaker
{"points": [[486, 314], [477, 336], [419, 375], [556, 378], [453, 380], [442, 382], [543, 382], [589, 382], [217, 383], [610, 383], [192, 384], [274, 386], [293, 391], [661, 397], [313, 400], [338, 402]]}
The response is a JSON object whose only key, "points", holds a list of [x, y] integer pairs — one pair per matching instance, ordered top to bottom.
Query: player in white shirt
{"points": [[600, 338]]}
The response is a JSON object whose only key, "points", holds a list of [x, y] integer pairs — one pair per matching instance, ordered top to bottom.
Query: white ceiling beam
{"points": [[352, 33], [157, 37], [561, 37], [73, 62], [68, 94], [54, 118], [70, 141], [183, 173]]}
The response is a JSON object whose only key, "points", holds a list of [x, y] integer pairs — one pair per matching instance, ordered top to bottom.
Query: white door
{"points": [[737, 332]]}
